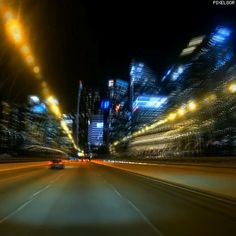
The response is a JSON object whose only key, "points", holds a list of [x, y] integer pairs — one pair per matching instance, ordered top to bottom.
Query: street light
{"points": [[8, 15], [14, 31], [25, 49], [29, 59], [36, 69], [232, 88], [52, 100], [192, 106], [55, 109], [181, 111], [172, 116], [65, 127]]}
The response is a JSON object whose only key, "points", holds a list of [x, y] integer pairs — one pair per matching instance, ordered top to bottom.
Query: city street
{"points": [[117, 118], [91, 199]]}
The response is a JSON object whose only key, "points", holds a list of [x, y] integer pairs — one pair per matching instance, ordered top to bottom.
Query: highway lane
{"points": [[216, 180], [91, 199]]}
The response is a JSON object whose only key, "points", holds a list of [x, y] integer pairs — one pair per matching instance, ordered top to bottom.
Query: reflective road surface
{"points": [[90, 199]]}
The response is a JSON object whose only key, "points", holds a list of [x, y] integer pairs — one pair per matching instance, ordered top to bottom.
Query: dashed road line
{"points": [[34, 196], [141, 214]]}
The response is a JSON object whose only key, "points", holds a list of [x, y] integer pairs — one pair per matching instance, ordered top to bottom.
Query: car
{"points": [[56, 164]]}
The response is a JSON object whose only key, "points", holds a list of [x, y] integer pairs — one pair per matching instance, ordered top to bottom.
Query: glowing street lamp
{"points": [[8, 15], [14, 31], [25, 49], [30, 59], [36, 69], [232, 88], [52, 100], [53, 105], [192, 106], [55, 109], [181, 111], [172, 116], [65, 128]]}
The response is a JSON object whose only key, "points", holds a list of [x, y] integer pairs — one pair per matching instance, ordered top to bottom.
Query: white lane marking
{"points": [[53, 181], [180, 186], [186, 188], [41, 190], [29, 201], [16, 211], [154, 228]]}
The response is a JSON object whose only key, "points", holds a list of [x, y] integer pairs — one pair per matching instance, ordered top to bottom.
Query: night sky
{"points": [[96, 40]]}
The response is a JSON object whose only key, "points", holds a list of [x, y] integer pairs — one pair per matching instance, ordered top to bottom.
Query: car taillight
{"points": [[49, 163]]}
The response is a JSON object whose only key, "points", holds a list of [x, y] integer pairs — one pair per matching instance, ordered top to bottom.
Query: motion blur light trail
{"points": [[16, 34], [200, 116]]}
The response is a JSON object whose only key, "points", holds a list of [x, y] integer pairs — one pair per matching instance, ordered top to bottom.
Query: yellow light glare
{"points": [[8, 15], [14, 31], [25, 49], [29, 59], [36, 69], [232, 88], [212, 97], [52, 100], [192, 106], [55, 109], [181, 111], [172, 116], [160, 122], [65, 128], [70, 137]]}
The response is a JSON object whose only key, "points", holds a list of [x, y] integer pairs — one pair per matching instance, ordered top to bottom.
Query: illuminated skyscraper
{"points": [[202, 60], [146, 102], [89, 108], [118, 116], [199, 117], [95, 131]]}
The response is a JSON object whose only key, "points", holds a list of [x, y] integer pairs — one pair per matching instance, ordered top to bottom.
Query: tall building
{"points": [[201, 61], [146, 101], [89, 108], [118, 113], [199, 117], [95, 131]]}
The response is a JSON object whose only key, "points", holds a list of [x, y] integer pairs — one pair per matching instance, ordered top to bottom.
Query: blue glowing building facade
{"points": [[199, 66], [146, 101], [90, 105], [118, 115], [198, 118], [95, 131]]}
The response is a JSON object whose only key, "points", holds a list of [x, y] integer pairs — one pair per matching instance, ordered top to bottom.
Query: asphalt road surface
{"points": [[91, 199]]}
